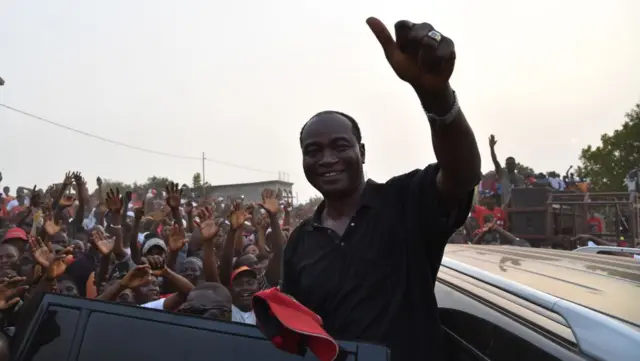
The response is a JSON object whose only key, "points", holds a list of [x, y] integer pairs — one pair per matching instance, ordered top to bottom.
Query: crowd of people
{"points": [[488, 222], [162, 251]]}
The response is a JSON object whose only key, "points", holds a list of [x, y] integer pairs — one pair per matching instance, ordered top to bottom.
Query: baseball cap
{"points": [[15, 232], [152, 243], [239, 270], [292, 327]]}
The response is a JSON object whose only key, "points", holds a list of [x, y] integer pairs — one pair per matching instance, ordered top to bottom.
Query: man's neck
{"points": [[344, 207]]}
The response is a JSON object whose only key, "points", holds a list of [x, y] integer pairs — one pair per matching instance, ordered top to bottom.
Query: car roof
{"points": [[607, 284]]}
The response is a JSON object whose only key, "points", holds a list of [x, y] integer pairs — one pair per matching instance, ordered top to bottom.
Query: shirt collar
{"points": [[370, 199]]}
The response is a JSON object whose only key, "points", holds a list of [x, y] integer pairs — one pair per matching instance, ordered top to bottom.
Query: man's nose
{"points": [[328, 158]]}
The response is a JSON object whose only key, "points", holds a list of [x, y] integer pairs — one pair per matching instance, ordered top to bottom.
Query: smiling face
{"points": [[332, 157], [8, 257], [244, 286], [150, 292]]}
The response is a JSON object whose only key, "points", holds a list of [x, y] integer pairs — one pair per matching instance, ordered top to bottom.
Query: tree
{"points": [[607, 165], [524, 170], [197, 180], [157, 183]]}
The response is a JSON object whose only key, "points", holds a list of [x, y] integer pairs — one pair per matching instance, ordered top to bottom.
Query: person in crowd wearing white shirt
{"points": [[556, 181], [244, 284]]}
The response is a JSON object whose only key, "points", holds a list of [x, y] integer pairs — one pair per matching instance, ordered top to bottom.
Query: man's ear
{"points": [[362, 152]]}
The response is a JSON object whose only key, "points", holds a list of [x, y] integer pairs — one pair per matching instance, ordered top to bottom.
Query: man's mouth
{"points": [[331, 174], [246, 294]]}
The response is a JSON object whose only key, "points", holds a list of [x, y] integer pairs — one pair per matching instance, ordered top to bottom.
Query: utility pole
{"points": [[1, 98], [203, 168], [203, 187]]}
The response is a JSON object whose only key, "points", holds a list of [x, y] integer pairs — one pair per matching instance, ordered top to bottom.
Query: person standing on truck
{"points": [[508, 177], [366, 261]]}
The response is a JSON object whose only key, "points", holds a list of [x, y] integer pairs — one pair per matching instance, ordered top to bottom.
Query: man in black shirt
{"points": [[366, 262]]}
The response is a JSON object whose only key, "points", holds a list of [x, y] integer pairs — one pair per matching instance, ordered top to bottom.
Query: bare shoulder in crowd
{"points": [[163, 246]]}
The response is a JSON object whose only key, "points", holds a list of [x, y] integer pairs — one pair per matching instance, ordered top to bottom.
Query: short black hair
{"points": [[355, 128], [511, 158], [215, 287]]}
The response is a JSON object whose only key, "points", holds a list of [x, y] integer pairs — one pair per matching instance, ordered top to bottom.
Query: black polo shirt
{"points": [[376, 282]]}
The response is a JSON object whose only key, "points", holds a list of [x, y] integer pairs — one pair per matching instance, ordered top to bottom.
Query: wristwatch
{"points": [[447, 118]]}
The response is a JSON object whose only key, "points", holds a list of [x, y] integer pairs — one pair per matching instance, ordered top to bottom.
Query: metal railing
{"points": [[598, 249], [598, 335]]}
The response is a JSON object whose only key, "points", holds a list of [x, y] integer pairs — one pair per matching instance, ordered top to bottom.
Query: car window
{"points": [[493, 334], [54, 337], [149, 340], [490, 340]]}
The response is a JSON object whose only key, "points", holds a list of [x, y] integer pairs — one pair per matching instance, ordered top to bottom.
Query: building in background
{"points": [[251, 191]]}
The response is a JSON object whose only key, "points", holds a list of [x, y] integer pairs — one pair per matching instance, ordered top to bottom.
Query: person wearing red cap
{"points": [[16, 237], [366, 261]]}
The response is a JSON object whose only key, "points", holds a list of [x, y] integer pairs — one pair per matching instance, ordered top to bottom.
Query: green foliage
{"points": [[607, 165], [524, 170], [196, 180], [109, 183], [158, 183]]}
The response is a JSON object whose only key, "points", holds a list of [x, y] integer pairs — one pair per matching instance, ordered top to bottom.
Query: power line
{"points": [[115, 142]]}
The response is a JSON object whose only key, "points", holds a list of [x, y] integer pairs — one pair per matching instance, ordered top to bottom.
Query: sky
{"points": [[238, 80]]}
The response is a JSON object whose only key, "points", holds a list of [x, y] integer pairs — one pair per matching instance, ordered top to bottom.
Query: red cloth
{"points": [[479, 213], [595, 224], [291, 326]]}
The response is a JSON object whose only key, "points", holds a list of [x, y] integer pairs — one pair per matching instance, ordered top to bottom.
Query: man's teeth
{"points": [[331, 174]]}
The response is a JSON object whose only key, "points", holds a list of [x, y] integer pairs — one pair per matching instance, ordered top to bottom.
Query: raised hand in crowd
{"points": [[492, 141], [68, 180], [79, 180], [174, 195], [36, 198], [173, 200], [270, 201], [114, 202], [239, 214], [207, 224], [51, 226], [208, 230], [276, 238], [177, 239], [103, 245], [42, 253], [59, 263], [157, 265], [136, 277], [11, 290]]}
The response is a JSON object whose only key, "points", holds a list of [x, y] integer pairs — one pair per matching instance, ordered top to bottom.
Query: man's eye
{"points": [[311, 152]]}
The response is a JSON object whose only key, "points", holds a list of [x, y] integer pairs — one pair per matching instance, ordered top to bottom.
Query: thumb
{"points": [[383, 35]]}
